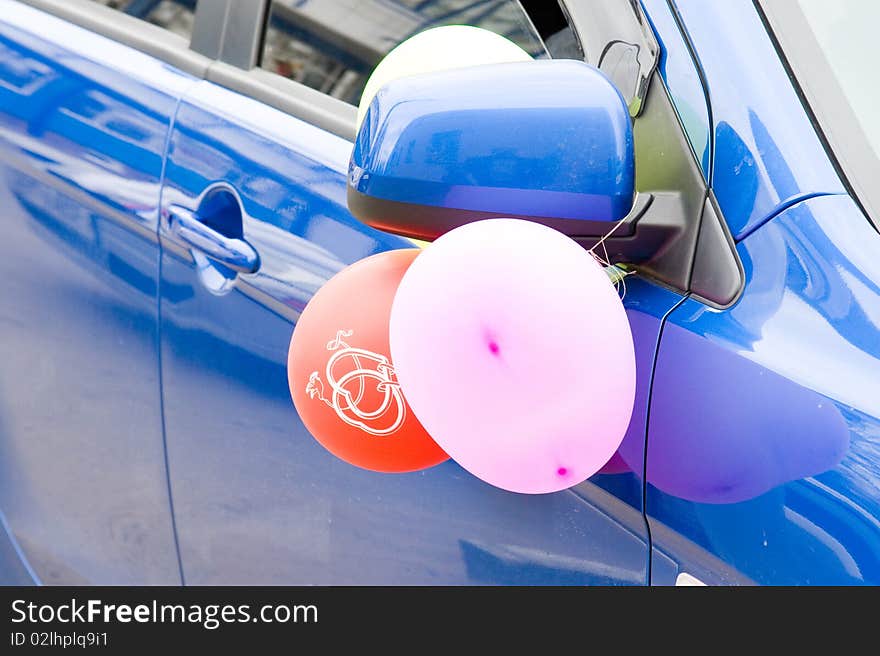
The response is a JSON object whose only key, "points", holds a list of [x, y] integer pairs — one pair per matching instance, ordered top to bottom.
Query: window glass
{"points": [[173, 15], [846, 31], [333, 45]]}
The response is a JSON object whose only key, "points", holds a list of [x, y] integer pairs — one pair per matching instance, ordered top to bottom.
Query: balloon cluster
{"points": [[503, 344]]}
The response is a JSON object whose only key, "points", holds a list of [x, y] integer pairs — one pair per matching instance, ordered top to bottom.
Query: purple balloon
{"points": [[513, 349], [725, 429]]}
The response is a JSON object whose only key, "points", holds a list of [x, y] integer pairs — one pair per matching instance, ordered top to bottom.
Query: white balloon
{"points": [[440, 49]]}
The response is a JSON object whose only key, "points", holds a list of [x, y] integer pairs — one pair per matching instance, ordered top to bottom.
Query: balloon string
{"points": [[608, 234], [616, 273]]}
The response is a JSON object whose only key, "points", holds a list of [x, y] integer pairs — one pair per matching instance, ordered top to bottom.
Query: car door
{"points": [[84, 121], [262, 161], [765, 424]]}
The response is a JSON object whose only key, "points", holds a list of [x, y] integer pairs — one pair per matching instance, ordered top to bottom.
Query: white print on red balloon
{"points": [[365, 392]]}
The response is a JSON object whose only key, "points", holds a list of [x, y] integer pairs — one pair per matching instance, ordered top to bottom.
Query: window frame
{"points": [[267, 7], [128, 30], [224, 48]]}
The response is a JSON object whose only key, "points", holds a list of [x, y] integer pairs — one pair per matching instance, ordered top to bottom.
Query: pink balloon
{"points": [[512, 348]]}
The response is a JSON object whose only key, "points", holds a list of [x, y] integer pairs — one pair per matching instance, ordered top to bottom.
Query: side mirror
{"points": [[547, 141]]}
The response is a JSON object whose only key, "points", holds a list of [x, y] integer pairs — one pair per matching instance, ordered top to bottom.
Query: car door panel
{"points": [[83, 125], [764, 438], [749, 444], [256, 498]]}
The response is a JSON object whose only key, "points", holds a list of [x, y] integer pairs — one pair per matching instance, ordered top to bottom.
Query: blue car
{"points": [[175, 187]]}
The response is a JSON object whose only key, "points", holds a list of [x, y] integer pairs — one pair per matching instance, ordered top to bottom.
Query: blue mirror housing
{"points": [[548, 141]]}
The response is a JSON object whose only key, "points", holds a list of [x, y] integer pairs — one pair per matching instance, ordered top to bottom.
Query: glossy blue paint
{"points": [[682, 78], [83, 125], [542, 138], [766, 152], [763, 423], [764, 438], [256, 498], [14, 567]]}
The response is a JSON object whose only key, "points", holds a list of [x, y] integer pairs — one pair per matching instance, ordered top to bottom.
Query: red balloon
{"points": [[341, 376]]}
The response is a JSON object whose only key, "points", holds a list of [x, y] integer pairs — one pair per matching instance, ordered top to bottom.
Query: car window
{"points": [[173, 15], [846, 30], [333, 45], [828, 47]]}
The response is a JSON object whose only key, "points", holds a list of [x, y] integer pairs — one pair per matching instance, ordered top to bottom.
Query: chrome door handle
{"points": [[236, 254]]}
